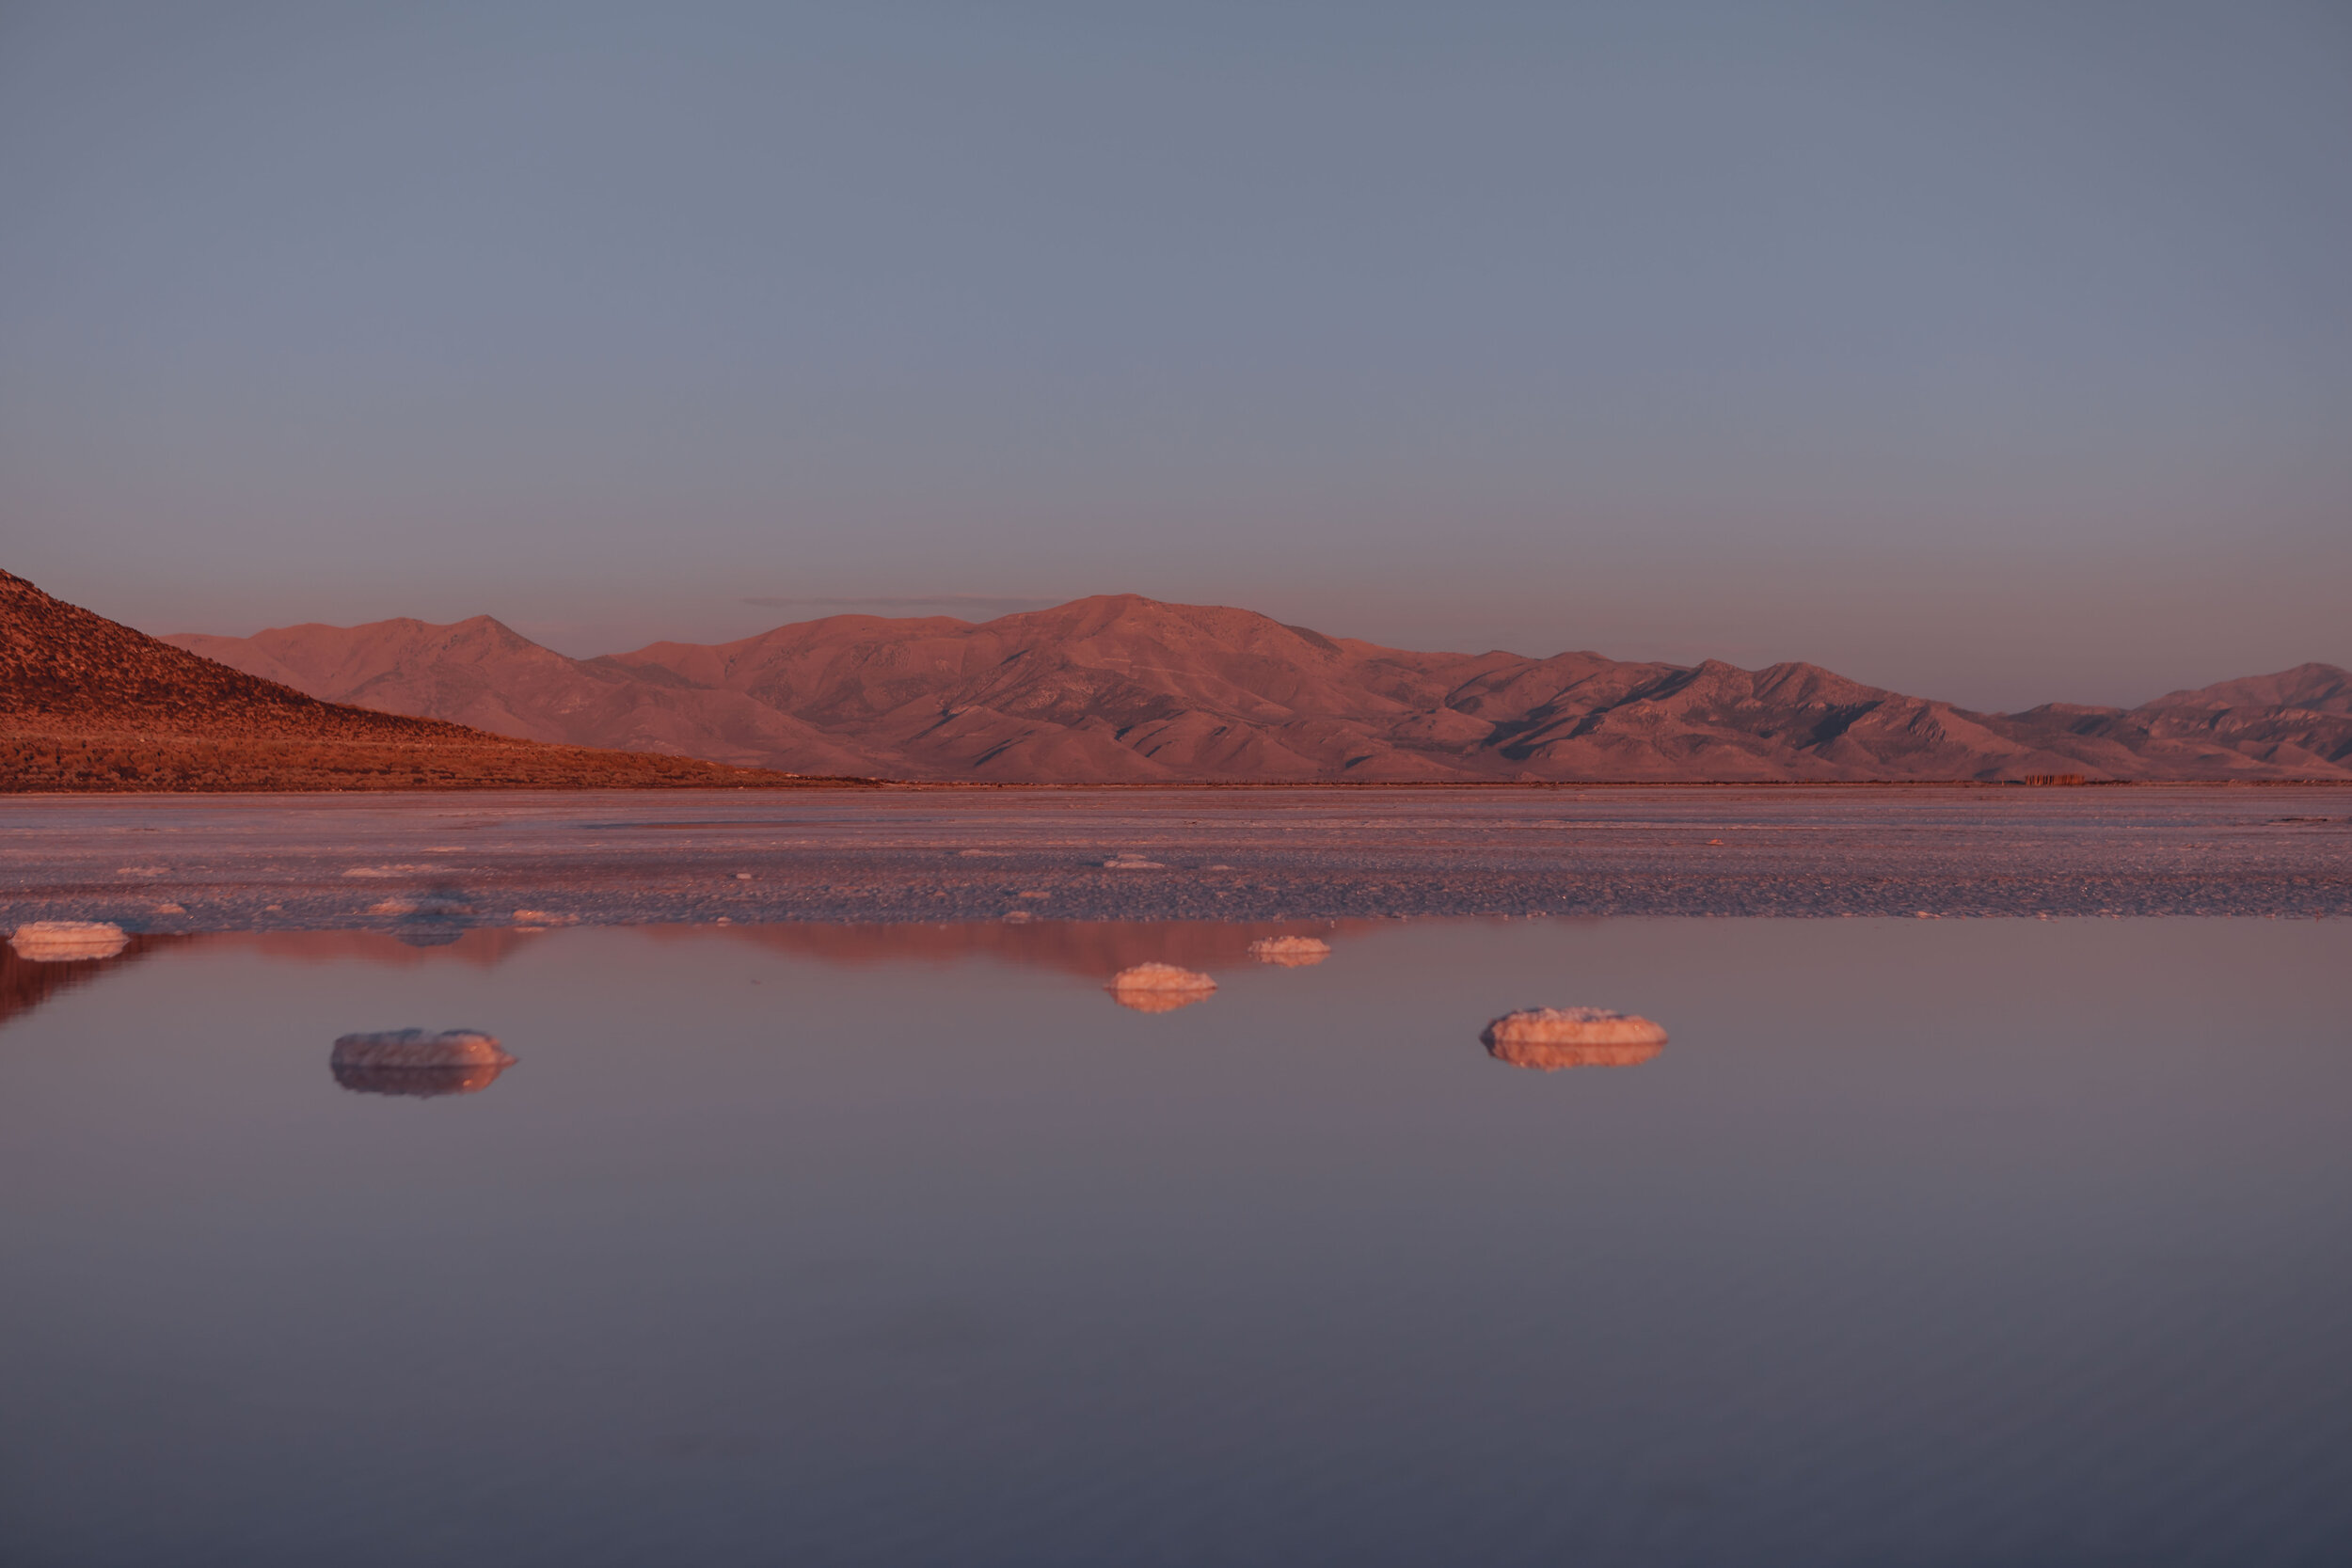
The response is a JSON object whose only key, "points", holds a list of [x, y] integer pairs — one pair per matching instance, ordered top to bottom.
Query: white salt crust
{"points": [[68, 941], [1290, 952], [1160, 977], [1160, 988], [1551, 1038]]}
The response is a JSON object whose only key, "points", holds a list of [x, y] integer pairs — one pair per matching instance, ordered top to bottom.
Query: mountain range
{"points": [[1120, 688], [87, 704]]}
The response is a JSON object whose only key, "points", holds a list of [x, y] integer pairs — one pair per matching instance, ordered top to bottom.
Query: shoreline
{"points": [[829, 782], [427, 863]]}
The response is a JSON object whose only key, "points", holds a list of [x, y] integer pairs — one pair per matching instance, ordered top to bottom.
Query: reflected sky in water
{"points": [[1925, 1242]]}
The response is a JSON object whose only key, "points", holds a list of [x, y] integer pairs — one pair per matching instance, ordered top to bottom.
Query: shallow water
{"points": [[1921, 1242]]}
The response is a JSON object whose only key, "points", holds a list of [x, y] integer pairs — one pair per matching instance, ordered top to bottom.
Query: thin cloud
{"points": [[935, 601]]}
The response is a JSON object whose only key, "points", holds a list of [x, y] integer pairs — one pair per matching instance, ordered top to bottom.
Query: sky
{"points": [[1997, 353]]}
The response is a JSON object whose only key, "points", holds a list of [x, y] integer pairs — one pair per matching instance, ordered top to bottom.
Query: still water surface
{"points": [[1966, 1242]]}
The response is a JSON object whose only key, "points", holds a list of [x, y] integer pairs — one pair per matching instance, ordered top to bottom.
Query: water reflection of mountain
{"points": [[483, 946], [1093, 948], [26, 983]]}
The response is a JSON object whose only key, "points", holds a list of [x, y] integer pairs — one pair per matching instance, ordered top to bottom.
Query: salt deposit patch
{"points": [[1132, 862], [388, 870], [68, 941], [1290, 952], [1158, 977], [1157, 988], [1551, 1038], [421, 1064]]}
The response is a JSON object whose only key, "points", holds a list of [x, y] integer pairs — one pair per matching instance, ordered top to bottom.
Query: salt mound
{"points": [[53, 942], [1290, 952], [1160, 977], [1159, 988], [1549, 1038], [412, 1049]]}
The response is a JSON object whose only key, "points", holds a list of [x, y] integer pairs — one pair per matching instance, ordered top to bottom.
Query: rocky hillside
{"points": [[481, 674], [1123, 689], [87, 704]]}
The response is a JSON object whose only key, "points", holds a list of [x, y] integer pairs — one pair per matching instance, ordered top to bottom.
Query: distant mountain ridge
{"points": [[483, 673], [1120, 688], [89, 703]]}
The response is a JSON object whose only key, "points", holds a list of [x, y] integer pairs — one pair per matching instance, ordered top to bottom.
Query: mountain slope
{"points": [[481, 674], [2318, 687], [1123, 688], [1103, 689], [87, 704], [2297, 724]]}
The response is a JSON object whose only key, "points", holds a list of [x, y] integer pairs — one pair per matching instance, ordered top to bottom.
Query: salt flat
{"points": [[426, 864]]}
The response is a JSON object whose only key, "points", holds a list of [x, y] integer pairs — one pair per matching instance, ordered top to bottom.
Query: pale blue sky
{"points": [[2001, 352]]}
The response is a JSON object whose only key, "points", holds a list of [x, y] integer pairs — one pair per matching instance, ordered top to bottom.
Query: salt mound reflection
{"points": [[1290, 952], [1157, 988], [1158, 1001], [1551, 1038], [417, 1083]]}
